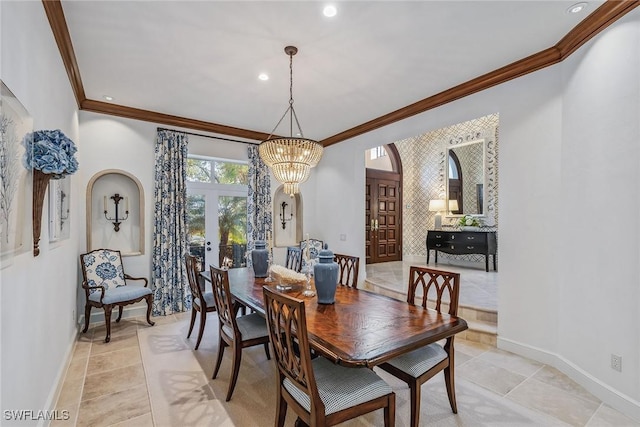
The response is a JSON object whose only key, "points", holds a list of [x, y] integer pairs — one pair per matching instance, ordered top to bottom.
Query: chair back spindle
{"points": [[294, 258], [349, 267], [442, 282]]}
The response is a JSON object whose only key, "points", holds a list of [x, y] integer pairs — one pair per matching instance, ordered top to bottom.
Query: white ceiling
{"points": [[201, 59]]}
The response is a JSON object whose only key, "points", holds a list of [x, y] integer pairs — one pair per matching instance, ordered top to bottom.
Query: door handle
{"points": [[373, 225], [377, 225]]}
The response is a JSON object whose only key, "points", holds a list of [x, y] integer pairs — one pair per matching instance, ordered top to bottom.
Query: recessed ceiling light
{"points": [[576, 8], [329, 11], [263, 77], [108, 98]]}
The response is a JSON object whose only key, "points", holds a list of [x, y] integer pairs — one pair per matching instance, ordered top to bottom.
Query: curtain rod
{"points": [[209, 136]]}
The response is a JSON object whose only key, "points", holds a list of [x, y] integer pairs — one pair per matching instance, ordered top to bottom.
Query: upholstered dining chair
{"points": [[294, 258], [348, 268], [106, 286], [201, 302], [235, 331], [418, 366], [319, 391]]}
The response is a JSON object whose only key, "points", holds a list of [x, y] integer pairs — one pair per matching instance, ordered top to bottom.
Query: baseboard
{"points": [[601, 390], [54, 394]]}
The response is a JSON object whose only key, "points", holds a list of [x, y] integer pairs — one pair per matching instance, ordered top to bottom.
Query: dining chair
{"points": [[315, 246], [294, 258], [349, 267], [106, 286], [201, 301], [235, 331], [418, 366], [320, 392]]}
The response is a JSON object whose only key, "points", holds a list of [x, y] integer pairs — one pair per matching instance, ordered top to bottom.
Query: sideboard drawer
{"points": [[463, 243]]}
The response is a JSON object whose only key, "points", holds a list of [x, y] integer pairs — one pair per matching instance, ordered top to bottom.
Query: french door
{"points": [[383, 214], [217, 223]]}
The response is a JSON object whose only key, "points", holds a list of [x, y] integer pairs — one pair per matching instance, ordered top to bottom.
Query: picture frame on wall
{"points": [[15, 182], [59, 202]]}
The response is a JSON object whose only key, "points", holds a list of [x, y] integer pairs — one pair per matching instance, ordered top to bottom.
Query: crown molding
{"points": [[601, 18], [58, 23], [167, 119]]}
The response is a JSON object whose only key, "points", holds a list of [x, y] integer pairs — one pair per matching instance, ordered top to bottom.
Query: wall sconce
{"points": [[283, 215], [117, 220]]}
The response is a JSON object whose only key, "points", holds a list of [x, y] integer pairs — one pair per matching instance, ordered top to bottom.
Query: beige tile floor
{"points": [[478, 288], [151, 376]]}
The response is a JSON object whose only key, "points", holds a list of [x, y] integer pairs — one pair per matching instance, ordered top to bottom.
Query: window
{"points": [[378, 152], [216, 171]]}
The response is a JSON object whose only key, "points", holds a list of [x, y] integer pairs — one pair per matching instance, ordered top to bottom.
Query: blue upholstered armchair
{"points": [[105, 285]]}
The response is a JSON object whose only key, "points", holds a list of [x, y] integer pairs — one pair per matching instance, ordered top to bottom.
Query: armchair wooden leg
{"points": [[149, 299], [119, 313], [87, 316], [107, 321], [193, 321], [203, 321], [221, 346], [266, 350], [237, 359], [451, 388], [415, 403], [281, 410], [390, 412]]}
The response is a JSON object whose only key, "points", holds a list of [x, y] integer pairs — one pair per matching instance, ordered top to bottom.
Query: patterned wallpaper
{"points": [[423, 166]]}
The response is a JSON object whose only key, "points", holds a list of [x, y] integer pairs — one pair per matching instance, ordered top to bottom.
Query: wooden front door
{"points": [[383, 217]]}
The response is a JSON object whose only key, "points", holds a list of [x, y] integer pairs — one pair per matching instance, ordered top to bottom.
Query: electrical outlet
{"points": [[343, 237], [73, 315], [616, 363]]}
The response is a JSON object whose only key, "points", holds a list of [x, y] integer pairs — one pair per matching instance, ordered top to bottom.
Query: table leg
{"points": [[428, 252], [486, 263], [495, 268]]}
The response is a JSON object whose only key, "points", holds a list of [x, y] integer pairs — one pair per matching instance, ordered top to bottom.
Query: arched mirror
{"points": [[466, 177]]}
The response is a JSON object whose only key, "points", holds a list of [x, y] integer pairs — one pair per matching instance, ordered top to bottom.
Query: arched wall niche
{"points": [[100, 231], [291, 234]]}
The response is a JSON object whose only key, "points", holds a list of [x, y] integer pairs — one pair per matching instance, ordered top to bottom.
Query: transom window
{"points": [[216, 171]]}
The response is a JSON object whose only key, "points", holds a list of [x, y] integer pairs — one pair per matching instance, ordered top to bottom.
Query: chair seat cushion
{"points": [[120, 294], [208, 299], [251, 326], [419, 361], [339, 387]]}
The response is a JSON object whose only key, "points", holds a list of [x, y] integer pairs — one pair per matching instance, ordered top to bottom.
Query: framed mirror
{"points": [[465, 178]]}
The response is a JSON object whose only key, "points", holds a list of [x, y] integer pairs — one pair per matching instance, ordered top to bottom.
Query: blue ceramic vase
{"points": [[260, 259], [325, 274]]}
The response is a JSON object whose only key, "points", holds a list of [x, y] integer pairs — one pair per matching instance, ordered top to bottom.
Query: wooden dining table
{"points": [[361, 328]]}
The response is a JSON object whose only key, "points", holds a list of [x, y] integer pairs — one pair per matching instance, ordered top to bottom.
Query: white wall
{"points": [[600, 160], [568, 289], [38, 295]]}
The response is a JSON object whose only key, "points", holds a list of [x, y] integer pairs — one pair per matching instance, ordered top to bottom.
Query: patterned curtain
{"points": [[258, 201], [169, 280]]}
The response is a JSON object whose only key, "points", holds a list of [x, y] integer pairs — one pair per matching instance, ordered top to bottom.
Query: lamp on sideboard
{"points": [[437, 205], [453, 206]]}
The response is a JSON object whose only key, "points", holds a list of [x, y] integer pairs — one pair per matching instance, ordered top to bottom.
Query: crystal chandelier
{"points": [[290, 158]]}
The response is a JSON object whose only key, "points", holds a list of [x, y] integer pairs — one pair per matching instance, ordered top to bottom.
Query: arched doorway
{"points": [[383, 205]]}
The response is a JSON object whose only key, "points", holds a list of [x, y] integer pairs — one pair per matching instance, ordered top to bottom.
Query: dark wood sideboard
{"points": [[463, 243]]}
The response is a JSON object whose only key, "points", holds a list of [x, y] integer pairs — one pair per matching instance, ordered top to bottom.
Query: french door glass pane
{"points": [[196, 209], [232, 230]]}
